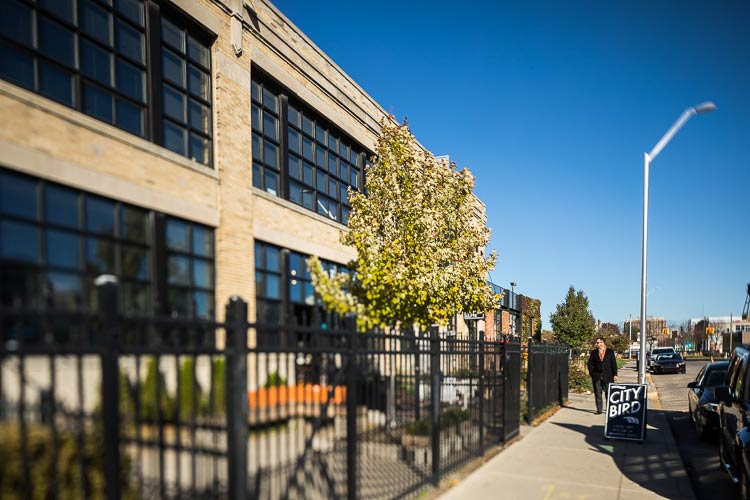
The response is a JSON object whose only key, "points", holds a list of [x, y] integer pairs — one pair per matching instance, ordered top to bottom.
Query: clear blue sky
{"points": [[551, 104]]}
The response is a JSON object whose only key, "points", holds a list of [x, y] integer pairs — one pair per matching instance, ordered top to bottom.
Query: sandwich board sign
{"points": [[626, 412]]}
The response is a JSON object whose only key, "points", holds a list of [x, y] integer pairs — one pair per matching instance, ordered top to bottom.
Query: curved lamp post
{"points": [[647, 158]]}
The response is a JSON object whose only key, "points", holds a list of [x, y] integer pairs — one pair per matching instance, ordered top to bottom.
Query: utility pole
{"points": [[630, 336]]}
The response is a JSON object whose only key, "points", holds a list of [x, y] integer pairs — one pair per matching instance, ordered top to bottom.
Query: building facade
{"points": [[196, 149]]}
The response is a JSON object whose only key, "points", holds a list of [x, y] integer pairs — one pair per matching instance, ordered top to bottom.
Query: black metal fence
{"points": [[546, 377], [106, 406]]}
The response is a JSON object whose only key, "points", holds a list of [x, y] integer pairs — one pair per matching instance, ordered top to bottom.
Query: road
{"points": [[701, 458]]}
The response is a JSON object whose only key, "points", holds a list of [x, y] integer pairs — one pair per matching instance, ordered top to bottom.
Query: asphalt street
{"points": [[701, 458]]}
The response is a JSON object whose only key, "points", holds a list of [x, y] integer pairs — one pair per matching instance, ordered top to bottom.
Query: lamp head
{"points": [[705, 107]]}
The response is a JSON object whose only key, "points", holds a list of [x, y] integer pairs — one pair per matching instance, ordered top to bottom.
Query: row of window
{"points": [[92, 55], [54, 241]]}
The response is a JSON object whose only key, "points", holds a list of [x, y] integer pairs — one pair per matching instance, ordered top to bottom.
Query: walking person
{"points": [[602, 367]]}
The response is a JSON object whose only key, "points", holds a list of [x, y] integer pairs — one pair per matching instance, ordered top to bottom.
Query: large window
{"points": [[92, 55], [299, 156], [54, 241], [283, 286]]}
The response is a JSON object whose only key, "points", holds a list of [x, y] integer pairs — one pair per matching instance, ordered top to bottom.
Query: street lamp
{"points": [[647, 158]]}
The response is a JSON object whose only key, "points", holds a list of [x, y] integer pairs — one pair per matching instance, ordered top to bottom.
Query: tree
{"points": [[419, 243], [531, 317], [572, 320], [613, 338]]}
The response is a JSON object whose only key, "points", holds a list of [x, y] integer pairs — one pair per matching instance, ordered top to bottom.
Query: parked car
{"points": [[656, 351], [668, 363], [702, 404], [734, 421]]}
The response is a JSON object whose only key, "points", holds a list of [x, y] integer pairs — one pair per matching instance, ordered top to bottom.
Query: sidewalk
{"points": [[567, 457]]}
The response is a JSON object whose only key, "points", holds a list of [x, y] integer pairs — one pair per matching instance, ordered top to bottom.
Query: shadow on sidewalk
{"points": [[652, 464]]}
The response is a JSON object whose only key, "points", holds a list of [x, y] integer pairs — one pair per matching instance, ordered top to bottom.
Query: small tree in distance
{"points": [[418, 239], [572, 320], [613, 338]]}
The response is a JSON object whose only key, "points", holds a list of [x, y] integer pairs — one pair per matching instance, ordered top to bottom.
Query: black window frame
{"points": [[88, 85]]}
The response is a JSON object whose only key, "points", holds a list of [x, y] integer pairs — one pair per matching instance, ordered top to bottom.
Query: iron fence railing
{"points": [[546, 377], [107, 406]]}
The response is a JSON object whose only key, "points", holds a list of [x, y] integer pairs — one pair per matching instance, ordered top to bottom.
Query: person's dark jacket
{"points": [[605, 369]]}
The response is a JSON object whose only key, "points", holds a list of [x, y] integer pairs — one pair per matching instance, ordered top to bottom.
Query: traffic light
{"points": [[665, 331]]}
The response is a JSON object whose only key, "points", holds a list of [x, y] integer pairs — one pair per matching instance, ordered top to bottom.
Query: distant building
{"points": [[655, 328]]}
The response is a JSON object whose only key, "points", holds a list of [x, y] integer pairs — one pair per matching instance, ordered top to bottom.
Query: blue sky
{"points": [[551, 104]]}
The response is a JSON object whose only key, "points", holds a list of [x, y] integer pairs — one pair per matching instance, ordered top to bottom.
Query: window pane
{"points": [[132, 9], [15, 21], [95, 21], [172, 35], [55, 40], [129, 42], [198, 52], [95, 62], [16, 66], [173, 68], [130, 80], [55, 83], [199, 83], [255, 90], [270, 101], [97, 103], [173, 103], [200, 116], [293, 116], [129, 117], [255, 118], [307, 125], [270, 128], [320, 134], [174, 138], [294, 141], [333, 143], [257, 147], [307, 148], [200, 149], [343, 150], [271, 154], [320, 156], [353, 157], [332, 164], [294, 167], [307, 173], [344, 174], [257, 176], [355, 179], [321, 181], [272, 182], [333, 187], [295, 193], [17, 195], [343, 196], [307, 199], [60, 206], [100, 215], [133, 224], [177, 235], [19, 241], [203, 241], [62, 249], [100, 256], [272, 259], [135, 262], [296, 265], [177, 270], [203, 273], [272, 287], [66, 290], [295, 290], [309, 294], [135, 298], [179, 302], [204, 304]]}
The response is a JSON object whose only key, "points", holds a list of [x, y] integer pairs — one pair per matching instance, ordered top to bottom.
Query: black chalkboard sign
{"points": [[626, 411]]}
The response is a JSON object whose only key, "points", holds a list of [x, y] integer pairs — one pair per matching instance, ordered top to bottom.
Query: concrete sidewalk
{"points": [[567, 457]]}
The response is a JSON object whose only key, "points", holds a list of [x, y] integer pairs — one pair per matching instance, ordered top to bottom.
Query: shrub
{"points": [[578, 378], [275, 380], [450, 417], [39, 452]]}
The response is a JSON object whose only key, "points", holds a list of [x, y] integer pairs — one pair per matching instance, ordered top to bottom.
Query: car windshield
{"points": [[669, 357]]}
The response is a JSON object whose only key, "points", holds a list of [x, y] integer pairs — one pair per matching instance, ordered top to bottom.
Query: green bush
{"points": [[578, 378], [275, 380], [450, 417], [39, 452]]}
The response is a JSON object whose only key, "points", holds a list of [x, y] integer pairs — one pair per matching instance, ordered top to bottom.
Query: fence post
{"points": [[108, 295], [529, 381], [481, 392], [236, 396], [435, 413], [351, 417]]}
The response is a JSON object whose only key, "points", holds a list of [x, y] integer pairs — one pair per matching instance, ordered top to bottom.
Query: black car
{"points": [[668, 363], [702, 404], [734, 421]]}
